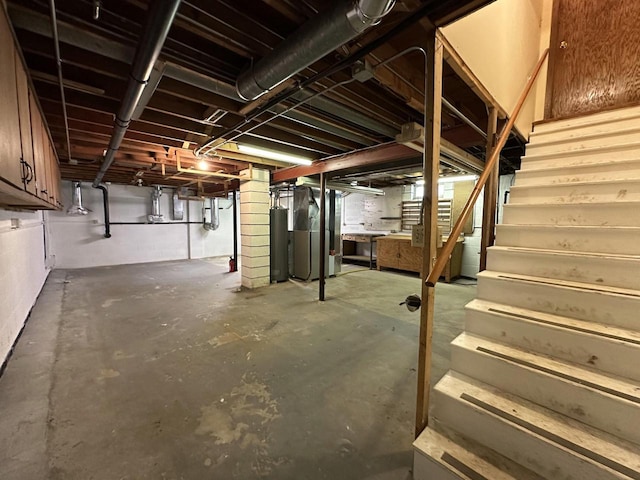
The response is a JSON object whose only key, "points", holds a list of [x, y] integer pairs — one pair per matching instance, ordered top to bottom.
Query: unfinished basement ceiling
{"points": [[209, 45]]}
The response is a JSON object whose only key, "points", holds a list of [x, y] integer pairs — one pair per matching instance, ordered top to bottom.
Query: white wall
{"points": [[501, 44], [364, 213], [79, 242], [22, 272]]}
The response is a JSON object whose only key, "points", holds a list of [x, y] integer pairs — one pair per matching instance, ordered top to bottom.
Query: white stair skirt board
{"points": [[610, 116], [578, 132], [567, 143], [587, 156], [563, 175], [578, 192], [620, 214], [614, 240], [611, 270], [608, 305], [592, 345], [583, 394], [543, 441], [449, 456]]}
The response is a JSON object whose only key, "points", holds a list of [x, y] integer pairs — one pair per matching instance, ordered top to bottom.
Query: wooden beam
{"points": [[455, 61], [371, 156], [490, 193], [430, 205]]}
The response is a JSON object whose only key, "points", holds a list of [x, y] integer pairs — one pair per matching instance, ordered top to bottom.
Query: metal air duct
{"points": [[159, 20], [321, 35], [76, 207], [214, 214], [156, 216]]}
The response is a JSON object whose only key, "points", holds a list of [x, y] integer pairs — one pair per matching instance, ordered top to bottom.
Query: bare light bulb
{"points": [[202, 165]]}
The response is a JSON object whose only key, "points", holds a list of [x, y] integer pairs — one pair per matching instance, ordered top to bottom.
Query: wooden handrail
{"points": [[447, 249]]}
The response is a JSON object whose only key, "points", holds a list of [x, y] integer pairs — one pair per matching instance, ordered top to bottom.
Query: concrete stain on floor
{"points": [[198, 380]]}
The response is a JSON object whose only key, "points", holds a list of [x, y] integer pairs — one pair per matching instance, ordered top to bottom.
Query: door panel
{"points": [[595, 47], [25, 128], [38, 148], [10, 151], [47, 166], [387, 253], [410, 257]]}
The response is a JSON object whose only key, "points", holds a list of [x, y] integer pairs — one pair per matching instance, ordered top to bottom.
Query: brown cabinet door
{"points": [[594, 52], [24, 111], [10, 148], [38, 149], [48, 160], [55, 176], [56, 182], [387, 253], [410, 258]]}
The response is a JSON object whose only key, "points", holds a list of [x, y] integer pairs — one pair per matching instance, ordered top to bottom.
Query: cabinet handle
{"points": [[27, 175]]}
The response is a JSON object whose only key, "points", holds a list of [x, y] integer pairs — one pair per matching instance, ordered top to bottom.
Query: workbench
{"points": [[349, 246], [395, 251]]}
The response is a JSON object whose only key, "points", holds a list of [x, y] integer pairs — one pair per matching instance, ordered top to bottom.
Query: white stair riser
{"points": [[587, 120], [576, 133], [611, 138], [587, 157], [586, 173], [619, 191], [622, 214], [571, 239], [597, 270], [582, 304], [595, 351], [593, 407], [514, 442], [427, 468]]}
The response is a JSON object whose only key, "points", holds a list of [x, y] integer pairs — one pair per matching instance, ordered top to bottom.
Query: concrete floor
{"points": [[167, 371]]}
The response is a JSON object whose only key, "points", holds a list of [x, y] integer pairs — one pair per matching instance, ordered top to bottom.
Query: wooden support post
{"points": [[433, 101], [490, 200], [323, 235]]}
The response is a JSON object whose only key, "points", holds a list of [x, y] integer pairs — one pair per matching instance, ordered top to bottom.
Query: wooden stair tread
{"points": [[603, 289], [558, 321], [588, 443]]}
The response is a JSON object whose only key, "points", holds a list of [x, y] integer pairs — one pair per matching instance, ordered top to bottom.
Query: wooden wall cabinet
{"points": [[10, 150], [29, 170], [395, 251]]}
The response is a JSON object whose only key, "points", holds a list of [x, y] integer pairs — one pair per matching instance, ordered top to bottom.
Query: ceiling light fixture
{"points": [[273, 155], [203, 165], [458, 178], [342, 187]]}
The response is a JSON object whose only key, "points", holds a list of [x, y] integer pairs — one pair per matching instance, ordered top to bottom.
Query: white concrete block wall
{"points": [[362, 213], [254, 228], [78, 242], [216, 243], [23, 272]]}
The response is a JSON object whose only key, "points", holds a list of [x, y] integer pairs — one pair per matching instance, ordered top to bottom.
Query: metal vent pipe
{"points": [[159, 20], [316, 38], [76, 207], [214, 214], [156, 215]]}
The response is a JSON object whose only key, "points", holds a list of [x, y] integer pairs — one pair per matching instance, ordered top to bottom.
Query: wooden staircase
{"points": [[545, 380]]}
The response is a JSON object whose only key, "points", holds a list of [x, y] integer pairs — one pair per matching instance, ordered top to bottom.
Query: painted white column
{"points": [[254, 228]]}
